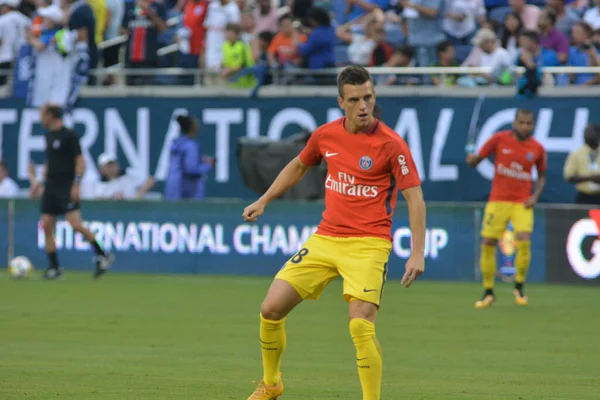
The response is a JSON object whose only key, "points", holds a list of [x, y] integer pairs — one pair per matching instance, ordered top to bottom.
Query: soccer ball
{"points": [[20, 267]]}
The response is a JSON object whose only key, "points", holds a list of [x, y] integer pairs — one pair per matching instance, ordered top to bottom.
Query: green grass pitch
{"points": [[189, 337]]}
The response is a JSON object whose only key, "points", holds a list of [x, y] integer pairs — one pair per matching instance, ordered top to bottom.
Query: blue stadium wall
{"points": [[139, 131], [210, 238]]}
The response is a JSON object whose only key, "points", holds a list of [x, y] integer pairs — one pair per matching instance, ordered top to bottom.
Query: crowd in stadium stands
{"points": [[242, 41]]}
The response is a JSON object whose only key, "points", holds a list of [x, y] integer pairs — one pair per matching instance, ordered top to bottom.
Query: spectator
{"points": [[579, 6], [356, 10], [100, 11], [528, 12], [220, 13], [266, 16], [565, 16], [592, 16], [461, 18], [82, 21], [143, 22], [248, 25], [424, 27], [13, 28], [512, 28], [550, 37], [191, 38], [596, 39], [361, 46], [283, 49], [383, 50], [318, 52], [583, 54], [110, 55], [237, 55], [403, 56], [446, 57], [494, 57], [534, 58], [261, 69], [51, 78], [188, 168], [582, 168], [115, 184], [8, 187]]}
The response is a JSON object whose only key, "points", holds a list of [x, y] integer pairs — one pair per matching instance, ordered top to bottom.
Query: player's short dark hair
{"points": [[551, 15], [286, 16], [319, 16], [236, 28], [586, 28], [531, 35], [266, 37], [443, 46], [405, 50], [353, 75], [54, 110], [377, 111], [524, 111], [185, 123], [592, 126], [4, 165]]}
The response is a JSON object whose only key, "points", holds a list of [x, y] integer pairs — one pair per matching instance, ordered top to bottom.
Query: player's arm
{"points": [[488, 149], [79, 167], [541, 167], [288, 177], [417, 215]]}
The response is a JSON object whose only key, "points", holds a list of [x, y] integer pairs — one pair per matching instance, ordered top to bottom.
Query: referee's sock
{"points": [[99, 251], [53, 260]]}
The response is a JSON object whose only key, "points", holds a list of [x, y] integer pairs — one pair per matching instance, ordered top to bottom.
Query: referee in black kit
{"points": [[63, 172]]}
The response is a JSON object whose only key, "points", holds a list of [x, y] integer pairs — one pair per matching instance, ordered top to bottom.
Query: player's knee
{"points": [[77, 226], [523, 236], [489, 241], [272, 311], [360, 327]]}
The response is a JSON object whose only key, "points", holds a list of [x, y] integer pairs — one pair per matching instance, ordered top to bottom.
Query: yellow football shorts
{"points": [[498, 213], [361, 262]]}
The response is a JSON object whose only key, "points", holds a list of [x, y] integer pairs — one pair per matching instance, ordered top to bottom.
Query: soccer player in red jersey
{"points": [[367, 162], [511, 199]]}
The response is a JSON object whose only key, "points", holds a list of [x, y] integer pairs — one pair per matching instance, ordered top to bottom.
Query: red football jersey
{"points": [[513, 164], [364, 172]]}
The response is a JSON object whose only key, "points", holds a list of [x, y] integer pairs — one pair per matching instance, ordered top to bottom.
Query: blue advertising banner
{"points": [[140, 130], [211, 238]]}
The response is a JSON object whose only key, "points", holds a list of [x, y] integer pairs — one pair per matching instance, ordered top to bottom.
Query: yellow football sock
{"points": [[522, 260], [488, 265], [272, 342], [368, 357]]}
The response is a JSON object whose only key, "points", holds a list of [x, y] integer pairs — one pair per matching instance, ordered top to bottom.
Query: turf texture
{"points": [[195, 337]]}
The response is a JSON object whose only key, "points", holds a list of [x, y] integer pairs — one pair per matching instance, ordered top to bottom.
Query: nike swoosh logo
{"points": [[506, 151], [328, 154], [369, 290], [266, 342], [362, 359]]}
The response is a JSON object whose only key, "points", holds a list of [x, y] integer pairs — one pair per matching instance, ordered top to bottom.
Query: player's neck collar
{"points": [[372, 129]]}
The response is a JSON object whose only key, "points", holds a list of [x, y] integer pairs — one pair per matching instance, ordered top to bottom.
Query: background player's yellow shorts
{"points": [[498, 213], [361, 262]]}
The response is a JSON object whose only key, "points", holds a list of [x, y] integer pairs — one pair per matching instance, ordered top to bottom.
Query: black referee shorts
{"points": [[57, 200]]}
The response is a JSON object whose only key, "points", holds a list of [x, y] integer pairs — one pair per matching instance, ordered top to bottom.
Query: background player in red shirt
{"points": [[366, 163], [511, 199]]}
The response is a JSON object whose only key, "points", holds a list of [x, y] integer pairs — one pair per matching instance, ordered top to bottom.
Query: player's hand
{"points": [[472, 159], [75, 193], [530, 202], [253, 211], [415, 266]]}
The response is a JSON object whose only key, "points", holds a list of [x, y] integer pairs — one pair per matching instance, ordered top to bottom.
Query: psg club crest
{"points": [[529, 156], [365, 163]]}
